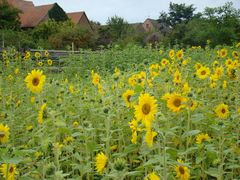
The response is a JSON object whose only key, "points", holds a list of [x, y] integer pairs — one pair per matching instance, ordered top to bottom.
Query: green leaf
{"points": [[191, 133], [212, 172]]}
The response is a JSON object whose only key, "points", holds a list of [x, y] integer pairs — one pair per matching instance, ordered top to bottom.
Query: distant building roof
{"points": [[75, 16], [32, 17], [80, 18]]}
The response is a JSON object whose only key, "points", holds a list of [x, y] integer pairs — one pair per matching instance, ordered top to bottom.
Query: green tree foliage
{"points": [[57, 13], [178, 13], [9, 18], [220, 25], [118, 27], [45, 29], [82, 38], [18, 39]]}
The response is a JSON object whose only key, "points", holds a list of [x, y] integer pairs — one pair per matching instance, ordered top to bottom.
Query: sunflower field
{"points": [[135, 113]]}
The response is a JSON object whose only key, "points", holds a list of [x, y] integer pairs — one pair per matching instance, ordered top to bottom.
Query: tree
{"points": [[57, 13], [178, 13], [9, 16], [118, 27], [45, 29], [82, 38]]}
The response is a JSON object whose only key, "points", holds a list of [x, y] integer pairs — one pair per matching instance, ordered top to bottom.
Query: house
{"points": [[32, 15], [80, 18], [151, 25]]}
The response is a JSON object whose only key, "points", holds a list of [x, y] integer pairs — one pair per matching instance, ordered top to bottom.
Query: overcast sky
{"points": [[131, 10]]}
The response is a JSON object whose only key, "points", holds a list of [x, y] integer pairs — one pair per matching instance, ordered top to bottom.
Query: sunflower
{"points": [[238, 45], [46, 53], [223, 53], [171, 54], [179, 54], [235, 54], [27, 55], [37, 55], [49, 61], [164, 62], [228, 62], [40, 63], [235, 63], [198, 66], [154, 70], [16, 71], [219, 71], [203, 72], [116, 73], [232, 73], [177, 77], [95, 79], [35, 81], [224, 85], [185, 88], [127, 97], [176, 102], [193, 105], [146, 109], [222, 111], [42, 113], [75, 124], [134, 127], [4, 133], [149, 137], [202, 138], [68, 140], [101, 162], [8, 171], [183, 173], [152, 176]]}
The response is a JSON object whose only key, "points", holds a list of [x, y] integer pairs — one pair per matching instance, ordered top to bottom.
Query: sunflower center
{"points": [[203, 72], [35, 81], [128, 98], [177, 102], [146, 108], [223, 111], [2, 134], [11, 169], [181, 170]]}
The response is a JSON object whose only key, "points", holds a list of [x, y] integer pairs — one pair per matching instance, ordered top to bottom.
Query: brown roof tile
{"points": [[31, 15], [75, 16]]}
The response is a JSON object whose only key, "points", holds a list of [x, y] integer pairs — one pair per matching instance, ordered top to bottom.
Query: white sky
{"points": [[131, 10]]}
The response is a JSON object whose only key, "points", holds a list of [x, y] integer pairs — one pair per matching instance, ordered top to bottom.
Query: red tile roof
{"points": [[31, 15], [75, 16]]}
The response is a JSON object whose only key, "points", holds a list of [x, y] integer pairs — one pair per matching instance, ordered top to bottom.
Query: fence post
{"points": [[3, 43], [73, 47]]}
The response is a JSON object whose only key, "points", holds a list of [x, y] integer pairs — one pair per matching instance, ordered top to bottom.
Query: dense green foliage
{"points": [[57, 13], [178, 13], [9, 18], [219, 25], [118, 27]]}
